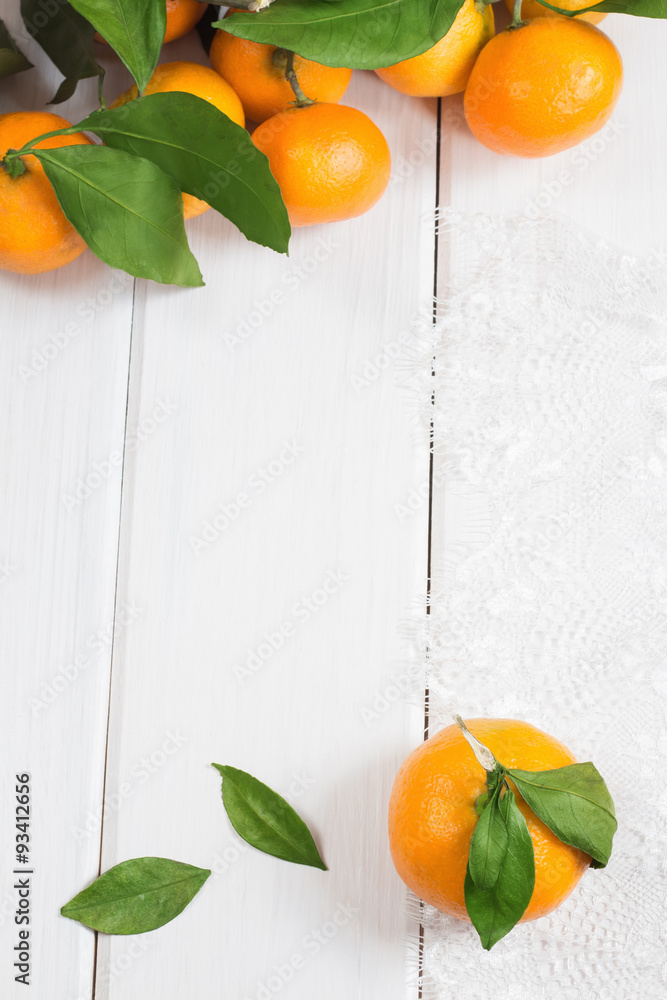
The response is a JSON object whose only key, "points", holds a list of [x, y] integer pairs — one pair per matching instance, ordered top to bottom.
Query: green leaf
{"points": [[640, 8], [133, 28], [362, 34], [67, 39], [12, 59], [206, 154], [126, 209], [575, 803], [265, 820], [488, 846], [137, 896], [495, 911]]}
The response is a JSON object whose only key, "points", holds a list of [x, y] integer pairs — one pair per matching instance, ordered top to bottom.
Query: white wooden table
{"points": [[140, 597]]}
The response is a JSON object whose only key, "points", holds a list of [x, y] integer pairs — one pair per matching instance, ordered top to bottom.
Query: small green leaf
{"points": [[640, 8], [133, 28], [361, 34], [67, 39], [12, 59], [206, 154], [126, 209], [575, 803], [265, 820], [488, 846], [137, 896], [496, 910]]}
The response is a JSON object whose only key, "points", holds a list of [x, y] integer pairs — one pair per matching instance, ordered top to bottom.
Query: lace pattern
{"points": [[548, 404]]}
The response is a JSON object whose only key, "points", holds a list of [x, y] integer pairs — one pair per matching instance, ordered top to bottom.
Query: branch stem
{"points": [[516, 15], [284, 59], [482, 754]]}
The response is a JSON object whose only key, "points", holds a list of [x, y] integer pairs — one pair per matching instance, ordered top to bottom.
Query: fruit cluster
{"points": [[542, 85]]}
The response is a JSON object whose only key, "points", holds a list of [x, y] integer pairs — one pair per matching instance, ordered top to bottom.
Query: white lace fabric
{"points": [[548, 402]]}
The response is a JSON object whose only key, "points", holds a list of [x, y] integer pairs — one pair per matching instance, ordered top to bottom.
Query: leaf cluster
{"points": [[124, 196], [573, 801], [142, 894]]}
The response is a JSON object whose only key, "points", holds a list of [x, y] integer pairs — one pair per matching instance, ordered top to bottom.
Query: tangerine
{"points": [[182, 15], [250, 69], [444, 69], [201, 81], [543, 87], [331, 161], [35, 235], [432, 815]]}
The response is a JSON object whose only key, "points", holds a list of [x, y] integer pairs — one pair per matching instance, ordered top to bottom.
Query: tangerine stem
{"points": [[516, 15], [285, 60], [15, 153], [482, 754]]}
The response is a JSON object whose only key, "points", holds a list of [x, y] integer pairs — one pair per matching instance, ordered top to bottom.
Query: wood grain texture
{"points": [[63, 389], [273, 479]]}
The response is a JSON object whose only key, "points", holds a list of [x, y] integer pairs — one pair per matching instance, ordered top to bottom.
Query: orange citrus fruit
{"points": [[533, 8], [182, 15], [248, 67], [444, 69], [201, 81], [543, 87], [331, 161], [35, 236], [432, 815]]}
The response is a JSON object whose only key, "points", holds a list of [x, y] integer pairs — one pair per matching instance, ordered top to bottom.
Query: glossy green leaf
{"points": [[640, 8], [133, 28], [362, 34], [67, 39], [12, 59], [206, 154], [127, 210], [575, 803], [265, 820], [488, 846], [137, 896], [494, 911]]}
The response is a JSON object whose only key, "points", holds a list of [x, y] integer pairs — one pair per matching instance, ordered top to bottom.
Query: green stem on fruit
{"points": [[516, 15], [284, 60], [100, 95], [13, 155]]}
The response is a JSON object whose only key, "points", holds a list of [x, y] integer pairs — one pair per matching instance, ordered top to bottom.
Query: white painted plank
{"points": [[63, 389], [283, 400]]}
